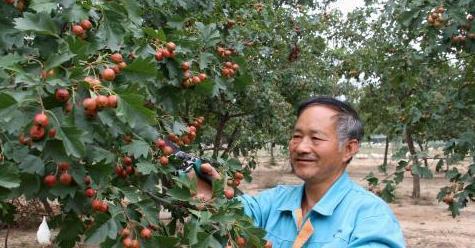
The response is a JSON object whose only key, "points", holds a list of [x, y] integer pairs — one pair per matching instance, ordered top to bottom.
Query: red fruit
{"points": [[86, 24], [77, 30], [171, 46], [228, 52], [166, 53], [159, 55], [117, 58], [228, 64], [122, 65], [185, 66], [235, 67], [116, 69], [231, 72], [108, 74], [187, 75], [202, 76], [195, 80], [62, 95], [102, 101], [112, 101], [89, 104], [68, 107], [41, 120], [191, 129], [37, 132], [52, 133], [192, 135], [173, 137], [186, 140], [159, 143], [167, 150], [127, 160], [164, 160], [63, 166], [118, 170], [129, 170], [238, 175], [65, 178], [49, 180], [87, 180], [236, 182], [90, 192], [229, 193], [96, 204], [104, 207], [125, 233], [146, 233], [240, 241], [127, 242], [135, 244]]}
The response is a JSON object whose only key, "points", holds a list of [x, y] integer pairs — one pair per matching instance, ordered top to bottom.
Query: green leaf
{"points": [[43, 5], [76, 13], [40, 23], [111, 33], [155, 34], [209, 34], [56, 60], [205, 60], [6, 61], [141, 69], [219, 85], [6, 101], [131, 110], [71, 137], [138, 148], [99, 154], [32, 164], [145, 168], [9, 178], [131, 193], [182, 194], [71, 230], [101, 231], [191, 231]]}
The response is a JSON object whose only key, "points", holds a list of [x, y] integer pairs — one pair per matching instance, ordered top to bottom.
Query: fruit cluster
{"points": [[436, 17], [80, 29], [464, 32], [165, 52], [224, 52], [229, 69], [188, 78], [92, 105], [37, 131], [126, 168], [127, 238]]}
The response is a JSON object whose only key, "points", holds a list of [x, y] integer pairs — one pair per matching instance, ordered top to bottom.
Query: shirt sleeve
{"points": [[259, 207], [377, 231]]}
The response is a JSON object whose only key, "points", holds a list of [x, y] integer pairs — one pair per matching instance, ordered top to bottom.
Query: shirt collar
{"points": [[329, 201]]}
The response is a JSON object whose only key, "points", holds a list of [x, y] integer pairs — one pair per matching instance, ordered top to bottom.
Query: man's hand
{"points": [[204, 190]]}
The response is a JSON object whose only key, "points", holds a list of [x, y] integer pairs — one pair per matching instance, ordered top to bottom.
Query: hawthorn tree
{"points": [[94, 93]]}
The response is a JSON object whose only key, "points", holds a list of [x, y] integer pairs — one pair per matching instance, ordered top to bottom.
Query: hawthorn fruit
{"points": [[86, 24], [117, 58], [108, 74], [62, 95], [41, 120], [37, 132], [52, 133], [164, 160], [65, 178], [49, 180], [90, 192], [229, 193], [146, 233]]}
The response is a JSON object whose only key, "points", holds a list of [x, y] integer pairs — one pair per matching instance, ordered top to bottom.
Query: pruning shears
{"points": [[189, 162]]}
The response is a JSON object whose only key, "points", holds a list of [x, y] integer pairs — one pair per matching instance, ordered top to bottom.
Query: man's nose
{"points": [[304, 146]]}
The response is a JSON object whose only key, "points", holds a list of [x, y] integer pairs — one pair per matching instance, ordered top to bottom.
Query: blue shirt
{"points": [[346, 216]]}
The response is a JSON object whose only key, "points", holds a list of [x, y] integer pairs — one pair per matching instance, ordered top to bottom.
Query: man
{"points": [[329, 209]]}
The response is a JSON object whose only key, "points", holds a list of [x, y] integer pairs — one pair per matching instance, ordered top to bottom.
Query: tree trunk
{"points": [[219, 133], [231, 141], [272, 145], [422, 149], [385, 160], [416, 180], [6, 236]]}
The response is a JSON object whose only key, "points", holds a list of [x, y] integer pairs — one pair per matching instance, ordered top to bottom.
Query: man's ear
{"points": [[352, 147]]}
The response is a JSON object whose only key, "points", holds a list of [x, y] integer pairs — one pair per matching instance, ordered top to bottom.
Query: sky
{"points": [[347, 5]]}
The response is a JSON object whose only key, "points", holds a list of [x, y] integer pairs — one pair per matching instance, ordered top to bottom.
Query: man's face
{"points": [[315, 154]]}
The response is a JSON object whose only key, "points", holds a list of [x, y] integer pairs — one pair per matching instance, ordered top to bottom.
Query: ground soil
{"points": [[425, 222]]}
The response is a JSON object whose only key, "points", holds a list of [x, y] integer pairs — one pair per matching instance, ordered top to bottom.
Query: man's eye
{"points": [[296, 136], [316, 138]]}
